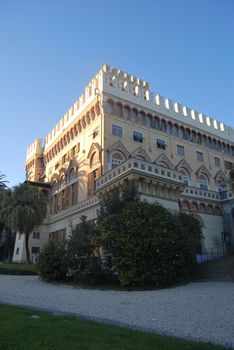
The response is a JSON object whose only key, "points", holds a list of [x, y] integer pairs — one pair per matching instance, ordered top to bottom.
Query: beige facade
{"points": [[119, 129]]}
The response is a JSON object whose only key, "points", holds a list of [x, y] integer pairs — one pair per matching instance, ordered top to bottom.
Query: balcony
{"points": [[138, 169], [195, 192], [226, 195], [88, 203]]}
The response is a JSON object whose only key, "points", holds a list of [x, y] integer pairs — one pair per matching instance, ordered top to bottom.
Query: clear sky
{"points": [[50, 49]]}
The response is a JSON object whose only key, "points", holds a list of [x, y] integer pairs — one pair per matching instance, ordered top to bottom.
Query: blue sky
{"points": [[49, 50]]}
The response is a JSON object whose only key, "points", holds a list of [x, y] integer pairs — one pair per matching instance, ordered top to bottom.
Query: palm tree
{"points": [[2, 181], [22, 209]]}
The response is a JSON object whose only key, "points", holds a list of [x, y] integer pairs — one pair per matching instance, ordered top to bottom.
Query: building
{"points": [[118, 129]]}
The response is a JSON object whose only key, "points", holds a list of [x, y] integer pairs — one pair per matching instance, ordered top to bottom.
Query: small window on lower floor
{"points": [[117, 130], [137, 136], [161, 144], [180, 150], [200, 157], [217, 161], [35, 250], [17, 251]]}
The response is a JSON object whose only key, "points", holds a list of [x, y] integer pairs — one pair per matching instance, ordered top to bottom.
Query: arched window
{"points": [[110, 106], [119, 109], [126, 113], [134, 115], [142, 117], [148, 120], [156, 122], [163, 125], [170, 128], [176, 130], [181, 132], [188, 134], [194, 136], [199, 138], [94, 159], [116, 159], [163, 163], [72, 175], [186, 176], [62, 181], [203, 182], [221, 184], [54, 187], [185, 205], [194, 206], [202, 207], [209, 209], [217, 210]]}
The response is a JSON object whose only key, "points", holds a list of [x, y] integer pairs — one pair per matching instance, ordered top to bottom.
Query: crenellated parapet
{"points": [[132, 89], [135, 90], [89, 95], [36, 148], [35, 161]]}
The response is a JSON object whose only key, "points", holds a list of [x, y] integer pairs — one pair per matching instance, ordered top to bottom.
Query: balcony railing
{"points": [[142, 167], [199, 193], [226, 195], [74, 209]]}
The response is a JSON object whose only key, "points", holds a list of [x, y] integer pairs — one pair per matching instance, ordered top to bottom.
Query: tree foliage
{"points": [[3, 182], [22, 209], [148, 244], [83, 249], [52, 261]]}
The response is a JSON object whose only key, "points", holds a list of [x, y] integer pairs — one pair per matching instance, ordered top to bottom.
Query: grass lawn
{"points": [[17, 269], [20, 331]]}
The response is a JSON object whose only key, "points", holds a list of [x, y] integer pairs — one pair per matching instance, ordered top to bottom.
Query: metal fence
{"points": [[211, 254]]}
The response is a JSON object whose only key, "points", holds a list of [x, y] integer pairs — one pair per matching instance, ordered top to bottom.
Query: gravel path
{"points": [[199, 311]]}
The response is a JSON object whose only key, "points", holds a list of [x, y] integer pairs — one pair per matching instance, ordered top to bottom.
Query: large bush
{"points": [[148, 244], [83, 251], [52, 261]]}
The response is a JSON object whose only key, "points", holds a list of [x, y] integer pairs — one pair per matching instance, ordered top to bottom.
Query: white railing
{"points": [[140, 166], [199, 193], [226, 195], [74, 209]]}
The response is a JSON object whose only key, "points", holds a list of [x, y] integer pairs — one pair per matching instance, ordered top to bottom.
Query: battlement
{"points": [[133, 89], [136, 90], [78, 106], [36, 147]]}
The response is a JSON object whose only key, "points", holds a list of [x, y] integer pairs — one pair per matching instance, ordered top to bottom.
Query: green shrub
{"points": [[148, 245], [83, 251], [52, 262], [17, 269]]}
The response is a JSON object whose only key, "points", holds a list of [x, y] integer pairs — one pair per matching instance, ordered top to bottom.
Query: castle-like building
{"points": [[117, 130]]}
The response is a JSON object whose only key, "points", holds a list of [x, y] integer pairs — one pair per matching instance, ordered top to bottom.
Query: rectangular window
{"points": [[117, 130], [95, 133], [137, 136], [161, 144], [180, 150], [73, 151], [200, 156], [64, 159], [217, 161], [203, 186], [73, 194], [35, 250], [17, 251]]}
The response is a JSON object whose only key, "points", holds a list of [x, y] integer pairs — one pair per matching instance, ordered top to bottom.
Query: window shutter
{"points": [[89, 184]]}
